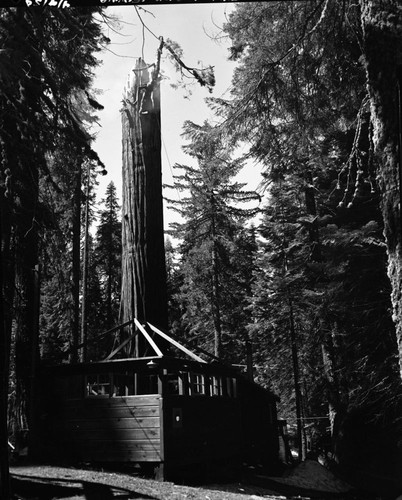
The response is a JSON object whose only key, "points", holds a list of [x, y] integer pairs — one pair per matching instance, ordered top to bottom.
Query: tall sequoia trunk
{"points": [[382, 30], [143, 292]]}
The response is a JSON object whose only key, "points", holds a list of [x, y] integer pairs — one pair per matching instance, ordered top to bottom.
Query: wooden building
{"points": [[159, 405], [177, 415]]}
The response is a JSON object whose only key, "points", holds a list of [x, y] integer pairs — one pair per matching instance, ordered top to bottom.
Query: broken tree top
{"points": [[138, 76]]}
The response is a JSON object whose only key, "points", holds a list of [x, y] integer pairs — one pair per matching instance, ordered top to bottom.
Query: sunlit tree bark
{"points": [[143, 293]]}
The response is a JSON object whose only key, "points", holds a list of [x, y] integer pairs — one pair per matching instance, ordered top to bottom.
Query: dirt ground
{"points": [[43, 482], [51, 483]]}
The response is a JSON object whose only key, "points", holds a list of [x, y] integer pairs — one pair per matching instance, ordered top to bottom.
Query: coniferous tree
{"points": [[46, 56], [299, 97], [212, 221], [62, 248], [108, 254], [174, 279], [339, 303], [280, 306], [95, 314]]}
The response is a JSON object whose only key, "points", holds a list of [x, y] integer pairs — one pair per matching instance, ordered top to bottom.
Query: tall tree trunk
{"points": [[382, 32], [26, 240], [26, 257], [85, 261], [110, 277], [75, 282], [7, 291], [143, 294], [216, 302], [109, 311], [35, 358], [249, 359], [4, 372], [296, 378], [335, 398]]}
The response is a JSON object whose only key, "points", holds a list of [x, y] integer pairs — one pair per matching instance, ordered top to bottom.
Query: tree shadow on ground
{"points": [[39, 488]]}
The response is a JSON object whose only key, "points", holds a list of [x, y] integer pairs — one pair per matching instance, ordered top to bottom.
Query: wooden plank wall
{"points": [[109, 429], [259, 429], [208, 430]]}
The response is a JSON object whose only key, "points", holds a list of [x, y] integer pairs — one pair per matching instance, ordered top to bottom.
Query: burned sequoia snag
{"points": [[143, 260]]}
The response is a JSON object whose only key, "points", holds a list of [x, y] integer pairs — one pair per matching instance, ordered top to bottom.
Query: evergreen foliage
{"points": [[46, 63], [299, 99], [210, 240], [108, 255], [307, 287]]}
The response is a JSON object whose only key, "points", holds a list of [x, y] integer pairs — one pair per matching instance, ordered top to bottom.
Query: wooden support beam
{"points": [[100, 336], [148, 337], [176, 344], [120, 347]]}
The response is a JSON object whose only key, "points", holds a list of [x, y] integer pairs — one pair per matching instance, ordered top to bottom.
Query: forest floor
{"points": [[309, 480]]}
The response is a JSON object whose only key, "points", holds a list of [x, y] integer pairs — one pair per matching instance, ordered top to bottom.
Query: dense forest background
{"points": [[302, 276]]}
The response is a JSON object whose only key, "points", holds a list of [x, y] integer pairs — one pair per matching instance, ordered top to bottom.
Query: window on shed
{"points": [[147, 383], [172, 383], [175, 383], [98, 384], [123, 384], [185, 384], [198, 384], [216, 386]]}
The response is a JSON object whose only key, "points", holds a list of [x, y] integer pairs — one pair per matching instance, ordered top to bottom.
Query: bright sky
{"points": [[189, 25]]}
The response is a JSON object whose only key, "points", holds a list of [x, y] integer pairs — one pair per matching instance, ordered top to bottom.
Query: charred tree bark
{"points": [[382, 35], [143, 293]]}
